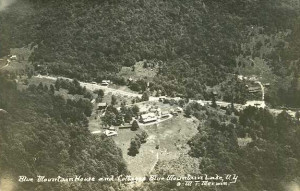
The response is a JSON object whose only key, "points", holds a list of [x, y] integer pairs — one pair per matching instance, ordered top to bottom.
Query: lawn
{"points": [[139, 73], [171, 136]]}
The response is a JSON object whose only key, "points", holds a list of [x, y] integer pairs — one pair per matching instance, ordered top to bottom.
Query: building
{"points": [[13, 57], [105, 82], [254, 89], [215, 93], [258, 104], [101, 106], [179, 110], [164, 114], [147, 118], [110, 133]]}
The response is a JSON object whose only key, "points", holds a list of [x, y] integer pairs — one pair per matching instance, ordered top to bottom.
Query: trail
{"points": [[4, 66], [262, 89], [156, 161]]}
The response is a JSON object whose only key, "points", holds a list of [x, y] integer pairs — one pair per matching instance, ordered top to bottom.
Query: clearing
{"points": [[171, 136]]}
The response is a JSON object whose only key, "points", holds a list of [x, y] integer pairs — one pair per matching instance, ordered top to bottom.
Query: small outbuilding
{"points": [[101, 106]]}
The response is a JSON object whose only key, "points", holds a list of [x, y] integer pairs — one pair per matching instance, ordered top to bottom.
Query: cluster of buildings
{"points": [[154, 114]]}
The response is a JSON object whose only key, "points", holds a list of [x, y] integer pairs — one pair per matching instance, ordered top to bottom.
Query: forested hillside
{"points": [[197, 42], [43, 134], [269, 161]]}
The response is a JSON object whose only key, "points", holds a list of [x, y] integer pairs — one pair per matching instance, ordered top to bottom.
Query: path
{"points": [[4, 66], [93, 87], [262, 90], [157, 154], [156, 161]]}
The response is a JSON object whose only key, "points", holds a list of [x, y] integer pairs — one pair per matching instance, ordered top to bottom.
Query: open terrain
{"points": [[171, 136]]}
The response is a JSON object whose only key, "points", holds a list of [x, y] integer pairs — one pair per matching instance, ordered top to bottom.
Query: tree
{"points": [[30, 73], [57, 84], [52, 90], [100, 93], [88, 95], [145, 96], [113, 100], [213, 101], [135, 110], [188, 111], [128, 115], [297, 115], [109, 118], [119, 119], [135, 125], [143, 137], [134, 147]]}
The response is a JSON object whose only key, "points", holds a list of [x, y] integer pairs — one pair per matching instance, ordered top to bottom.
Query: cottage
{"points": [[13, 57], [105, 82], [101, 106], [147, 118]]}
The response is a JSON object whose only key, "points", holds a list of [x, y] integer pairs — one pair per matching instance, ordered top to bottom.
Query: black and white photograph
{"points": [[149, 95]]}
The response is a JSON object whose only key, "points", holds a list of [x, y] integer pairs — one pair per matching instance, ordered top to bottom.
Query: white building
{"points": [[13, 57], [105, 82], [258, 104], [147, 118], [110, 133]]}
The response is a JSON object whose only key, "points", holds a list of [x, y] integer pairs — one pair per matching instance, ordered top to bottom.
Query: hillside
{"points": [[193, 42], [44, 135]]}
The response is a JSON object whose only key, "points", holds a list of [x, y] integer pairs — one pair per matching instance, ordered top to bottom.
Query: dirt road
{"points": [[92, 87]]}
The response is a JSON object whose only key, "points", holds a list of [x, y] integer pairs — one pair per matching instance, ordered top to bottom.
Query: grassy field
{"points": [[20, 65], [139, 73], [171, 136]]}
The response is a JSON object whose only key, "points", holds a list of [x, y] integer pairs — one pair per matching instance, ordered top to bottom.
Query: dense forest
{"points": [[195, 43], [43, 134], [269, 162]]}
